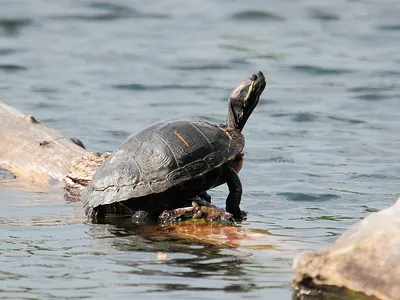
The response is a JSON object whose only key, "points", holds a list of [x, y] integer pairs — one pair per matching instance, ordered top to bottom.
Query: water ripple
{"points": [[124, 11], [109, 12], [256, 15], [323, 15], [12, 27], [395, 27], [7, 51], [273, 56], [204, 67], [12, 68], [313, 70], [388, 73], [143, 87], [367, 89], [44, 90], [369, 93], [372, 97], [41, 105], [299, 117], [346, 120], [117, 133], [278, 159], [372, 176], [308, 197], [329, 218]]}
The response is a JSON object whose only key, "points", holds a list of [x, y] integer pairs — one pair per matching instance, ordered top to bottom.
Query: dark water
{"points": [[322, 146]]}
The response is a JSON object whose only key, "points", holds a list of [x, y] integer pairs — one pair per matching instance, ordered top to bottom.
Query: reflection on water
{"points": [[321, 147], [76, 256], [180, 256]]}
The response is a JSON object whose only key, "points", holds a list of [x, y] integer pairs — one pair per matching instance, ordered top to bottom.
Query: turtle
{"points": [[169, 163]]}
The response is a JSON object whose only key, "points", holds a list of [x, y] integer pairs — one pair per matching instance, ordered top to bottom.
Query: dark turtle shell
{"points": [[165, 162]]}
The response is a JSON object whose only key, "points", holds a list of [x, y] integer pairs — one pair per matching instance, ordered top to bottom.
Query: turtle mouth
{"points": [[257, 84], [244, 99]]}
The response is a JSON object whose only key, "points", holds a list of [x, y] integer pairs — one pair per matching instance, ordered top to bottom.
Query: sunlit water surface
{"points": [[322, 146]]}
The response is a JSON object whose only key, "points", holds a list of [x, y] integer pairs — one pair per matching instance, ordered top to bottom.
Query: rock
{"points": [[366, 259]]}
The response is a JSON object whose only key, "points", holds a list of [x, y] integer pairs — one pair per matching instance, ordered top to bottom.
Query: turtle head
{"points": [[243, 100]]}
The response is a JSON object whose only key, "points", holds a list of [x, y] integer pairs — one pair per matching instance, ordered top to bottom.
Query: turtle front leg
{"points": [[235, 194]]}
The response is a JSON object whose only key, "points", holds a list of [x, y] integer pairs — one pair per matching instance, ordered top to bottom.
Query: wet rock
{"points": [[364, 259]]}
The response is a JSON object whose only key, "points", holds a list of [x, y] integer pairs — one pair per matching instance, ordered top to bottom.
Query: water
{"points": [[321, 152]]}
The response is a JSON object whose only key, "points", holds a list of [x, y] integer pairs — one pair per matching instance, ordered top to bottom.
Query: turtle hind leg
{"points": [[235, 194]]}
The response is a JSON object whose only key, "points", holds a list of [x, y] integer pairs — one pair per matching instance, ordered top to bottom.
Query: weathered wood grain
{"points": [[33, 150]]}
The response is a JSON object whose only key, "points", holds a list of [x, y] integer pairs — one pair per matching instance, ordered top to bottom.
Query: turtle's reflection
{"points": [[190, 255]]}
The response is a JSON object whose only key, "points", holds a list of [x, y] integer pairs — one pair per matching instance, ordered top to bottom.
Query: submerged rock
{"points": [[366, 259]]}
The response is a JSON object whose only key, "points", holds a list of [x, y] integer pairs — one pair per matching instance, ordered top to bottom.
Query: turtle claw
{"points": [[240, 216]]}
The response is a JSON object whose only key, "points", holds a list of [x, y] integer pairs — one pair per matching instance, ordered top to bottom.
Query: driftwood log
{"points": [[33, 151], [41, 156], [366, 259]]}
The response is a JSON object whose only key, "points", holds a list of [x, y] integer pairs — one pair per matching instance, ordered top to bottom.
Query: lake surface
{"points": [[322, 147]]}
